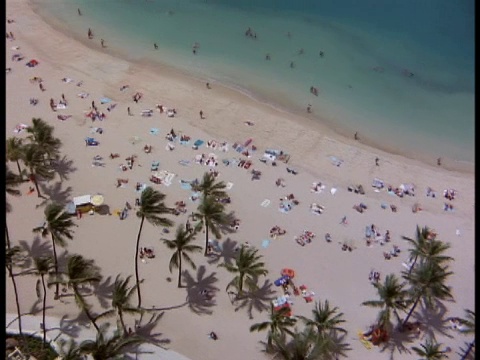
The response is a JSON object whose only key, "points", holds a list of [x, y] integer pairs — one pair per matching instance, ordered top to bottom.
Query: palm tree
{"points": [[41, 135], [15, 152], [34, 159], [12, 181], [208, 186], [151, 208], [213, 216], [58, 223], [182, 246], [426, 247], [12, 254], [42, 267], [248, 267], [80, 271], [427, 282], [121, 297], [392, 297], [325, 319], [279, 322], [469, 328], [307, 344], [105, 348], [69, 350], [430, 350]]}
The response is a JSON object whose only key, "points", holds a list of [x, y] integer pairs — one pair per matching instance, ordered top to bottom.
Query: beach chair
{"points": [[91, 141], [154, 166]]}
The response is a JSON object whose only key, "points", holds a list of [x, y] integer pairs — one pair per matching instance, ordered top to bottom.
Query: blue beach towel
{"points": [[105, 100], [154, 131], [198, 143], [186, 185], [265, 243]]}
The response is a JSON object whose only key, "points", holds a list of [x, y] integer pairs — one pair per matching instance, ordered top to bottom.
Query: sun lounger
{"points": [[91, 141]]}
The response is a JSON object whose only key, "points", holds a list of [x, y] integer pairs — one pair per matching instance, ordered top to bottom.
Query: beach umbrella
{"points": [[97, 200], [288, 272]]}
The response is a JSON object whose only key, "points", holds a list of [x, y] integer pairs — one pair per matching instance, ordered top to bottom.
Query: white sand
{"points": [[341, 277]]}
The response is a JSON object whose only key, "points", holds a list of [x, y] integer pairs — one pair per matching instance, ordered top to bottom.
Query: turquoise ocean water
{"points": [[431, 113]]}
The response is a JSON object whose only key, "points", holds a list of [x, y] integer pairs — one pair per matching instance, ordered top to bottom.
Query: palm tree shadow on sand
{"points": [[63, 167], [55, 193], [37, 248], [228, 252], [103, 291], [200, 291], [258, 299], [435, 318], [67, 327], [146, 330], [401, 341]]}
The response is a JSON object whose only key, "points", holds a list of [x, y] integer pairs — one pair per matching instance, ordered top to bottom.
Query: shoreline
{"points": [[318, 123], [323, 267]]}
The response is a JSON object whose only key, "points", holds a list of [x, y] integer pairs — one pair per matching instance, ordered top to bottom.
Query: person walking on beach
{"points": [[90, 33], [102, 42], [208, 85], [309, 108], [128, 111], [201, 114], [356, 135], [376, 161]]}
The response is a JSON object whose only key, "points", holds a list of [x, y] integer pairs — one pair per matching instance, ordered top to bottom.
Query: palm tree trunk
{"points": [[19, 170], [34, 179], [7, 237], [206, 239], [137, 251], [55, 261], [413, 265], [180, 270], [240, 285], [17, 302], [85, 309], [43, 311], [411, 311], [120, 315], [468, 350]]}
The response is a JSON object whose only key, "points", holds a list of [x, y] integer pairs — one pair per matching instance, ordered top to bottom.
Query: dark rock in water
{"points": [[11, 343]]}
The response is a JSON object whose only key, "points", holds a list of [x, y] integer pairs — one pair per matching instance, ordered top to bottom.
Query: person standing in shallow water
{"points": [[79, 12], [155, 46]]}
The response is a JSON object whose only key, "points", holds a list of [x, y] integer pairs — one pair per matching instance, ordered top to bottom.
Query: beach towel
{"points": [[105, 100], [19, 128], [154, 131], [134, 140], [198, 143], [335, 161], [185, 162], [186, 185], [229, 185], [265, 203], [265, 243]]}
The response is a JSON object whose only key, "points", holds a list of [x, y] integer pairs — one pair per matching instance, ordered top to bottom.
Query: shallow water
{"points": [[430, 113]]}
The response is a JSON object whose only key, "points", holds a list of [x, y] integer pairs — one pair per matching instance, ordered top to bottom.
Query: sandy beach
{"points": [[75, 67]]}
